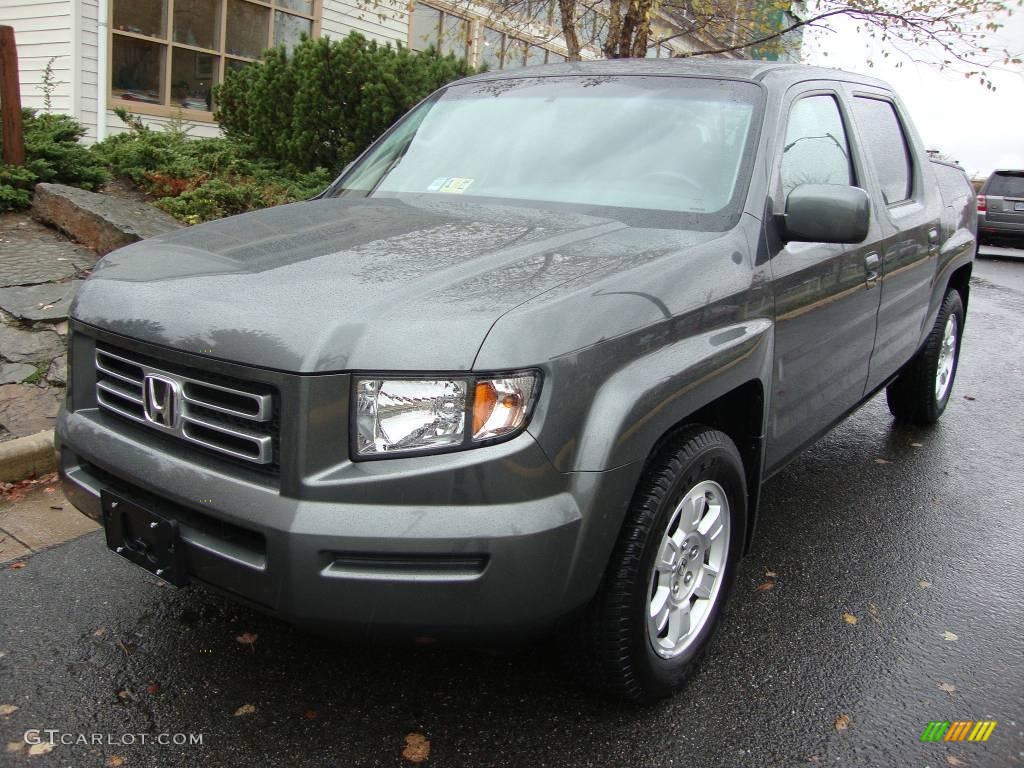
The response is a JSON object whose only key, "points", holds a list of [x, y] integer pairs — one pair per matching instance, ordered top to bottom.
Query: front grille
{"points": [[222, 415]]}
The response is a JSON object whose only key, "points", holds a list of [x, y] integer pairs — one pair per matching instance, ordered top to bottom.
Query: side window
{"points": [[886, 147], [816, 150]]}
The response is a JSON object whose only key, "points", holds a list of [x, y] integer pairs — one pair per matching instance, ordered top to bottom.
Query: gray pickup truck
{"points": [[528, 362]]}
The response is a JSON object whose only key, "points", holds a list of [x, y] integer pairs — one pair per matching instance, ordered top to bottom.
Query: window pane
{"points": [[302, 6], [143, 17], [197, 22], [426, 24], [248, 29], [289, 29], [454, 36], [491, 53], [534, 55], [233, 65], [137, 70], [192, 77], [886, 147], [816, 150], [1005, 184]]}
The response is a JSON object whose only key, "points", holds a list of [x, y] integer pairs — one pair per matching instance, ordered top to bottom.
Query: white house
{"points": [[161, 58]]}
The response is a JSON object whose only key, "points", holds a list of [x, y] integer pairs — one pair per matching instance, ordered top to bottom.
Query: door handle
{"points": [[933, 241], [874, 272]]}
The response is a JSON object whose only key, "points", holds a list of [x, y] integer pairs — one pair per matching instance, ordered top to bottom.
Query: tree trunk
{"points": [[567, 12], [10, 100]]}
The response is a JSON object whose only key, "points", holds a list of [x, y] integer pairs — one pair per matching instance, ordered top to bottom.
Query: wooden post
{"points": [[10, 100]]}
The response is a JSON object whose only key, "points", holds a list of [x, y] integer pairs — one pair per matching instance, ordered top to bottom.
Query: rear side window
{"points": [[887, 147], [816, 150], [1005, 185]]}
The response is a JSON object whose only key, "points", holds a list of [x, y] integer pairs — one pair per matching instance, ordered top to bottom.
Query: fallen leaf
{"points": [[968, 397], [917, 445], [881, 461], [51, 489], [56, 506], [17, 566], [770, 575], [924, 584], [765, 586], [872, 609], [849, 618], [100, 632], [947, 635], [247, 638], [947, 687], [153, 688], [123, 695], [245, 709], [6, 710], [311, 714], [842, 722], [14, 746], [42, 748], [417, 748], [114, 761], [954, 761]]}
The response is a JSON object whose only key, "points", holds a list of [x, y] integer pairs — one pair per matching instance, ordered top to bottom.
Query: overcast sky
{"points": [[981, 129]]}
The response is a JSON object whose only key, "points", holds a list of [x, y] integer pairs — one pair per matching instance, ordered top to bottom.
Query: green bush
{"points": [[323, 104], [53, 153], [202, 179]]}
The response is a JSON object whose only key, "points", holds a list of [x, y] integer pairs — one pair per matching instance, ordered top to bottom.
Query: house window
{"points": [[444, 31], [501, 51], [167, 55]]}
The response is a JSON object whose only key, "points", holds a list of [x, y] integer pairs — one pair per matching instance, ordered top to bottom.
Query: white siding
{"points": [[386, 21], [42, 30]]}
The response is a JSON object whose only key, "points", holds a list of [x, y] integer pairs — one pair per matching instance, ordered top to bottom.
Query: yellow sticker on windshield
{"points": [[455, 185]]}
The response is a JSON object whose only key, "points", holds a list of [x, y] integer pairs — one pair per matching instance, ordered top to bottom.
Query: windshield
{"points": [[655, 143]]}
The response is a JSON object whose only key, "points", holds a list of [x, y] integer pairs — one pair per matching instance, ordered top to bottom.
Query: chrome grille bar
{"points": [[224, 419]]}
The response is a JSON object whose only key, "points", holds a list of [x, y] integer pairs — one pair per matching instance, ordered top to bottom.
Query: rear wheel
{"points": [[920, 394], [670, 573]]}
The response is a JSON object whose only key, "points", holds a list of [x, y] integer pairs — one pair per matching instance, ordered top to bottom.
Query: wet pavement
{"points": [[916, 534]]}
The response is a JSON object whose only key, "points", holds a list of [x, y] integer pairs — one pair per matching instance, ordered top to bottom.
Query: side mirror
{"points": [[826, 213]]}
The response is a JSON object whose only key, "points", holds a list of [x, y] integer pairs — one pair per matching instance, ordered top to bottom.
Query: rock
{"points": [[100, 222], [31, 253], [49, 301], [19, 346], [15, 373], [57, 373], [25, 410]]}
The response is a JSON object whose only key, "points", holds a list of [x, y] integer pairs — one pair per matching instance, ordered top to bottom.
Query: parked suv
{"points": [[1001, 206], [529, 361]]}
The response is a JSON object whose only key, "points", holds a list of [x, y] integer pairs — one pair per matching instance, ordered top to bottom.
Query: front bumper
{"points": [[487, 542]]}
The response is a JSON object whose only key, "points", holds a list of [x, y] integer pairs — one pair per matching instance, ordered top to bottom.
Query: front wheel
{"points": [[921, 392], [671, 570]]}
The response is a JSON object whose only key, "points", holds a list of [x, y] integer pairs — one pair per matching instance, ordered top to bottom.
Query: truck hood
{"points": [[342, 284]]}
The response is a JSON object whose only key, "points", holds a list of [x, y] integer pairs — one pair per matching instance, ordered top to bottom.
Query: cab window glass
{"points": [[886, 147], [816, 150]]}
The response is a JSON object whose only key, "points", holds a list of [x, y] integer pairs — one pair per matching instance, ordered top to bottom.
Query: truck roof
{"points": [[734, 69]]}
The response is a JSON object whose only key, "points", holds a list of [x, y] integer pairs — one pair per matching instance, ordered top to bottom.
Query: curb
{"points": [[29, 456]]}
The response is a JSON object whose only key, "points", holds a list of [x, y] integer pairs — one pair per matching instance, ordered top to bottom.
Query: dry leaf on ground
{"points": [[969, 397], [917, 445], [881, 461], [17, 566], [770, 574], [924, 584], [765, 586], [849, 618], [950, 636], [247, 638], [153, 688], [948, 688], [7, 709], [245, 709], [311, 714], [842, 722], [14, 746], [42, 748], [417, 748], [114, 761], [954, 761]]}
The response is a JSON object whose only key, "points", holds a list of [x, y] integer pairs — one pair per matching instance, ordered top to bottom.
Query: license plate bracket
{"points": [[144, 537]]}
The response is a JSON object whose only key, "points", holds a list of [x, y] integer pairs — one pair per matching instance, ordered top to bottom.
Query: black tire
{"points": [[911, 397], [620, 659]]}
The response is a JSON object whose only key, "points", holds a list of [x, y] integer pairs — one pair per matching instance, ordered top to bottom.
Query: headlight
{"points": [[401, 415]]}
